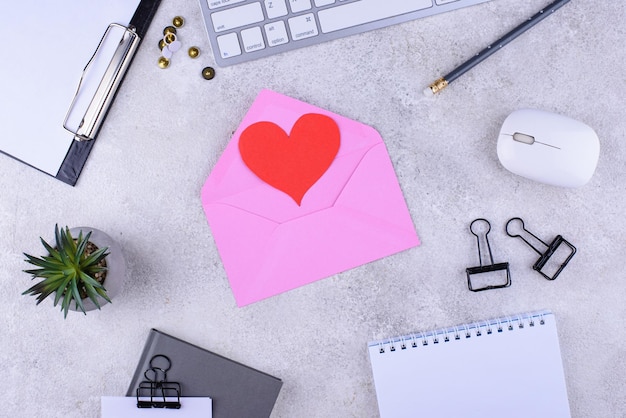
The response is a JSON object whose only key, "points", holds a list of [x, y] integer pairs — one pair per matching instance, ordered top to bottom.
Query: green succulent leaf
{"points": [[57, 237], [69, 245], [82, 246], [51, 250], [94, 258], [45, 262], [87, 280], [60, 290], [92, 294], [104, 295], [76, 296], [65, 305]]}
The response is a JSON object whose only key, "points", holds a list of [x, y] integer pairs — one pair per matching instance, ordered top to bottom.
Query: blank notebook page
{"points": [[473, 370]]}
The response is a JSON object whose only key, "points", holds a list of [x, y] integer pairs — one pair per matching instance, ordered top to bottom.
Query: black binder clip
{"points": [[552, 248], [489, 266], [156, 391]]}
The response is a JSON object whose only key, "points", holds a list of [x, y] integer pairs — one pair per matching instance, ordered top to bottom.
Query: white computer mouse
{"points": [[548, 148]]}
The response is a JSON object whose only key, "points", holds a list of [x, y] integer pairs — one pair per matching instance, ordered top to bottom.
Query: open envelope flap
{"points": [[232, 183], [242, 189]]}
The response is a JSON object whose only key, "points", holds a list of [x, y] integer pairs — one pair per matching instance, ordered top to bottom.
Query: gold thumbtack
{"points": [[178, 21], [168, 30], [169, 38], [194, 51], [164, 62], [208, 73]]}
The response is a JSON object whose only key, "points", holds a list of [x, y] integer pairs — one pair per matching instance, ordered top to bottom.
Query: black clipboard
{"points": [[113, 56]]}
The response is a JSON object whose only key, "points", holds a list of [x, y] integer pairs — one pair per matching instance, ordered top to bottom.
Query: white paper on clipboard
{"points": [[53, 41]]}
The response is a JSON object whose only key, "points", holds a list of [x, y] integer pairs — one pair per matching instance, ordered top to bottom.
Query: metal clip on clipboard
{"points": [[121, 51], [545, 256], [489, 266], [156, 391]]}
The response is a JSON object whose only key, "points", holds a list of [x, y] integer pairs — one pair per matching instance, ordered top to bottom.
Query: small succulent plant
{"points": [[74, 269]]}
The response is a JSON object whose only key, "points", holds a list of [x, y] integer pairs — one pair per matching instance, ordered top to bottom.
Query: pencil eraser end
{"points": [[428, 92]]}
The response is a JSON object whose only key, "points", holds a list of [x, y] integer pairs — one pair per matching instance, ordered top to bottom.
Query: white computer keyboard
{"points": [[243, 30]]}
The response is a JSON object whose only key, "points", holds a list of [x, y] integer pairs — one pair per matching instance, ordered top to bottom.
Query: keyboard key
{"points": [[320, 3], [214, 4], [299, 5], [275, 8], [365, 11], [237, 17], [302, 27], [276, 33], [252, 39], [229, 45]]}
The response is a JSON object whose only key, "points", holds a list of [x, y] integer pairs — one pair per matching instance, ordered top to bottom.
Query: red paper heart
{"points": [[291, 163]]}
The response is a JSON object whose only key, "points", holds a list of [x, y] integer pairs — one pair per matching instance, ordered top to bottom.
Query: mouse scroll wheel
{"points": [[526, 139]]}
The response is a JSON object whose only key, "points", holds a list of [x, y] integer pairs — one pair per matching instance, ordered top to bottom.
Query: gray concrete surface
{"points": [[168, 128]]}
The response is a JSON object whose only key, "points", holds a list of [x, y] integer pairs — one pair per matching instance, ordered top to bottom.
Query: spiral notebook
{"points": [[505, 367]]}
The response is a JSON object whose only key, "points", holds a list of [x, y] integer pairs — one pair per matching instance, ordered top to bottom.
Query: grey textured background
{"points": [[167, 129]]}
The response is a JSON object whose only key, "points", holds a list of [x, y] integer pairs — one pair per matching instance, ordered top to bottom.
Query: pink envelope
{"points": [[354, 214]]}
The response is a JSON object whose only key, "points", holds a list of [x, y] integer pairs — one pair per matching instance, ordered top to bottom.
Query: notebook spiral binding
{"points": [[461, 332]]}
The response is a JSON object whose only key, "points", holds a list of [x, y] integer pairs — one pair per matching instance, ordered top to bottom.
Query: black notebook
{"points": [[237, 390]]}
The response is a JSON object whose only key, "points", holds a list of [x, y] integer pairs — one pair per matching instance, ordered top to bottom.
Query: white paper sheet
{"points": [[46, 47], [126, 407]]}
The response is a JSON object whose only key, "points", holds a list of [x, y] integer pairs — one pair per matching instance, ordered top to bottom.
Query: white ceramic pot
{"points": [[116, 266]]}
